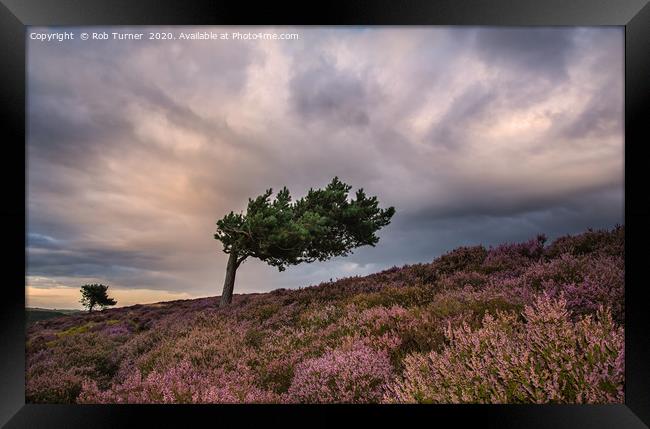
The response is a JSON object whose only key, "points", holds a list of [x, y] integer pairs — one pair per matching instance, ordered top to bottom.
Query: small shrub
{"points": [[607, 243], [513, 257], [460, 259], [254, 338], [355, 374]]}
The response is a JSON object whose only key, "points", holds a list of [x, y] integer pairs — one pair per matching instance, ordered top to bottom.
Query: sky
{"points": [[476, 135]]}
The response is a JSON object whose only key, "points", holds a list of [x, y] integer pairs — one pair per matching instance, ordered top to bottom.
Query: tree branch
{"points": [[239, 231]]}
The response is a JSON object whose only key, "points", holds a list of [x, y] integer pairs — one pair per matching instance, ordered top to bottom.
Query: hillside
{"points": [[34, 314], [518, 323]]}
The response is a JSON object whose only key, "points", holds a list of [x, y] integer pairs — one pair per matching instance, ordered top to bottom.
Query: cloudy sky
{"points": [[475, 135]]}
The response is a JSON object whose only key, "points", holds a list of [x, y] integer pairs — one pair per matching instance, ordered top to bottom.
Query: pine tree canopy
{"points": [[319, 226], [93, 295]]}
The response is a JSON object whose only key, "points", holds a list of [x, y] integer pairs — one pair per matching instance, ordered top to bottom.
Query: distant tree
{"points": [[319, 226], [93, 295]]}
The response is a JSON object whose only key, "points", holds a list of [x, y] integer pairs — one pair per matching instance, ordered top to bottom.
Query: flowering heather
{"points": [[517, 323], [542, 358], [352, 374], [179, 384]]}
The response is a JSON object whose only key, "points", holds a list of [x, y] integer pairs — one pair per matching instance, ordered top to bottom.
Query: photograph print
{"points": [[291, 215]]}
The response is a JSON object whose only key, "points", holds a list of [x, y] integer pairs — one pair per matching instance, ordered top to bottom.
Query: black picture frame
{"points": [[634, 15]]}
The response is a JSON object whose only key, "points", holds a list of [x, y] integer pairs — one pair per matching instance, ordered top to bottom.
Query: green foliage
{"points": [[319, 226], [599, 241], [461, 259], [93, 295], [406, 296], [75, 330], [254, 338]]}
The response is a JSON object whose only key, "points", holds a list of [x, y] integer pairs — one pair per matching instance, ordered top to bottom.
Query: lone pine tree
{"points": [[280, 232], [95, 295]]}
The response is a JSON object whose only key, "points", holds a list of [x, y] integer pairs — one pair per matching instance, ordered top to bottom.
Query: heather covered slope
{"points": [[518, 323]]}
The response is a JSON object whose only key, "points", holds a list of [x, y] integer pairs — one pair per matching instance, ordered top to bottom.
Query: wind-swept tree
{"points": [[280, 232], [95, 295]]}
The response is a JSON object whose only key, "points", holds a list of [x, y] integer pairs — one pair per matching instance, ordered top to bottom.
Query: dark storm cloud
{"points": [[542, 52], [322, 92], [472, 105], [186, 117], [600, 117], [475, 135], [59, 136], [475, 201], [422, 238], [38, 241], [48, 256], [84, 263]]}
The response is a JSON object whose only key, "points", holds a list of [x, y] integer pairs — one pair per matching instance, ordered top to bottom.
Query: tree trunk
{"points": [[229, 282]]}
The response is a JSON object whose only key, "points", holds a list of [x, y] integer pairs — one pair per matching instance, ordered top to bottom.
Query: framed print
{"points": [[388, 211]]}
